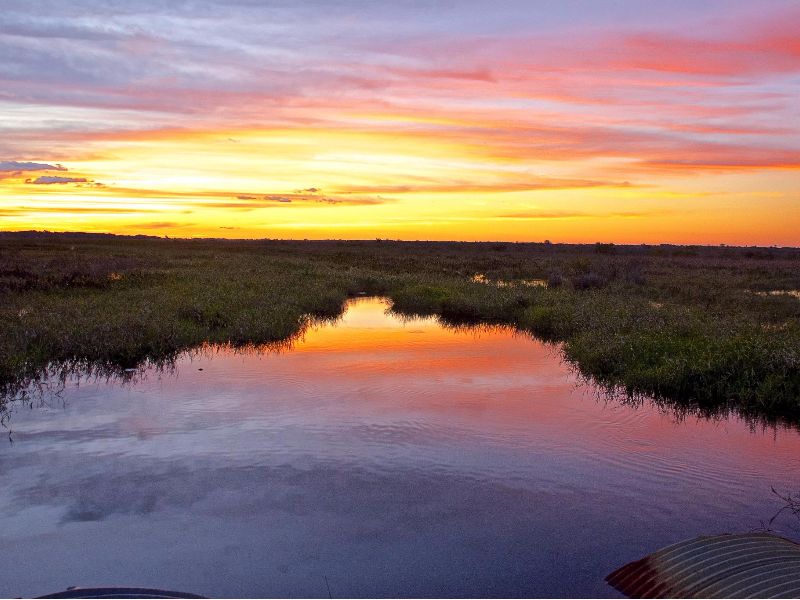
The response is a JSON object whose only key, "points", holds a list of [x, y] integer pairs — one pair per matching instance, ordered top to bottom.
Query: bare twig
{"points": [[792, 506]]}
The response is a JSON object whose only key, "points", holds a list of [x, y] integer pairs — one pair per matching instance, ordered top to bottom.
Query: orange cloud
{"points": [[421, 128]]}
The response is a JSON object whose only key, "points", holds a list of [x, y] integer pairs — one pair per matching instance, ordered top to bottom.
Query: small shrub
{"points": [[601, 248], [580, 265], [635, 275], [589, 281], [420, 299], [459, 309]]}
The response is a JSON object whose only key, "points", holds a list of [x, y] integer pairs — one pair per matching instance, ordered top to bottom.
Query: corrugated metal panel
{"points": [[746, 565]]}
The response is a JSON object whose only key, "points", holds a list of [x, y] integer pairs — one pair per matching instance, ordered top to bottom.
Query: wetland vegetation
{"points": [[717, 328]]}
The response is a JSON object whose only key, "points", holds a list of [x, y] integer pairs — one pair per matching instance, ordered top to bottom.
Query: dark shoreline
{"points": [[663, 249]]}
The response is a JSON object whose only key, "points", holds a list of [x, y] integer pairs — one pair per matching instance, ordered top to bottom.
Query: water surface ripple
{"points": [[394, 458]]}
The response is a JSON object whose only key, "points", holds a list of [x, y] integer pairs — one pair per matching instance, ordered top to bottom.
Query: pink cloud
{"points": [[658, 96]]}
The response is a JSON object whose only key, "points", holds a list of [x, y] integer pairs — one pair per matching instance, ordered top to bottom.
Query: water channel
{"points": [[377, 457]]}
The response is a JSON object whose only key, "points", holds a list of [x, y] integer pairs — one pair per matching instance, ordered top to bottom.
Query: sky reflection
{"points": [[397, 459]]}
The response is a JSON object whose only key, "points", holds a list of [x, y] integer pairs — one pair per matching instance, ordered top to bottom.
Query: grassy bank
{"points": [[717, 328]]}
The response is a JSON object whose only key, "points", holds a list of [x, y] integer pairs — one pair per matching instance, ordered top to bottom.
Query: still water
{"points": [[392, 458]]}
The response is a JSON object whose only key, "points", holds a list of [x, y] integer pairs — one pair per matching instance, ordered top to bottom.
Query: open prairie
{"points": [[712, 329]]}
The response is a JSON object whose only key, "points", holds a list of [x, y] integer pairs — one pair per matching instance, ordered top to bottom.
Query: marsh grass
{"points": [[685, 325]]}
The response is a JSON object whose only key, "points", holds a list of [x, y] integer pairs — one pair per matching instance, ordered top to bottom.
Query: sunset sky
{"points": [[615, 121]]}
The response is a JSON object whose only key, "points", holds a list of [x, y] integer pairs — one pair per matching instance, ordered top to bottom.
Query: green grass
{"points": [[694, 326]]}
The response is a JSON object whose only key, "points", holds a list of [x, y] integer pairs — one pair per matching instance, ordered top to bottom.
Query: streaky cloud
{"points": [[21, 167], [48, 179], [569, 215], [162, 225]]}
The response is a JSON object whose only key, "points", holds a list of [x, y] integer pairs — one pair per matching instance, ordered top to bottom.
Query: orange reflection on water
{"points": [[504, 387], [389, 454]]}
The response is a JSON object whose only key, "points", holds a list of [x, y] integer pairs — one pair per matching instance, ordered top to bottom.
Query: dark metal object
{"points": [[747, 565], [119, 592]]}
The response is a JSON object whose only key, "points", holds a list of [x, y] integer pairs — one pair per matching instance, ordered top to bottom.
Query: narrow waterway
{"points": [[391, 458]]}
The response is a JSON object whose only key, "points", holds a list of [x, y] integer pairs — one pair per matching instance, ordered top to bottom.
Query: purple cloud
{"points": [[18, 167], [47, 180]]}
